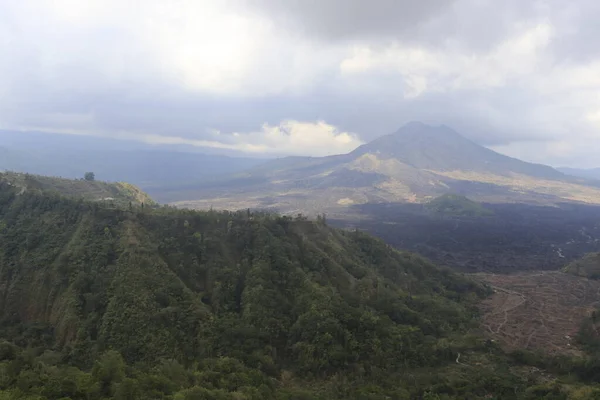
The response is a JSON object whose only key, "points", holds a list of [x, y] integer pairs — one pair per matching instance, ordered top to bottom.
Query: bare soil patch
{"points": [[538, 310]]}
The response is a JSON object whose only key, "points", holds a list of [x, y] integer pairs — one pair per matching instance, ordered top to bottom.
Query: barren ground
{"points": [[538, 310]]}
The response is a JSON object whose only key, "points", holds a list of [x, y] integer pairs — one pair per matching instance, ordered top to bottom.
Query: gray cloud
{"points": [[354, 19], [474, 24], [578, 24], [520, 76]]}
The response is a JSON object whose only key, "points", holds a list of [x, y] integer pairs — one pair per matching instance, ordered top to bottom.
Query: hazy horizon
{"points": [[47, 141]]}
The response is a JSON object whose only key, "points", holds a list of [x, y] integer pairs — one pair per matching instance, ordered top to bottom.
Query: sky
{"points": [[306, 77]]}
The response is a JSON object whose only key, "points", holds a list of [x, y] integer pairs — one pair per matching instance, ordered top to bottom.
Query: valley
{"points": [[299, 200], [486, 237], [385, 273], [541, 310]]}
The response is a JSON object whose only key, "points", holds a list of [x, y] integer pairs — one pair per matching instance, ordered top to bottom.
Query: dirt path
{"points": [[538, 310]]}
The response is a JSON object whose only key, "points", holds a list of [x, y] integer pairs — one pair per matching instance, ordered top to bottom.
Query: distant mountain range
{"points": [[70, 156], [414, 164], [592, 173]]}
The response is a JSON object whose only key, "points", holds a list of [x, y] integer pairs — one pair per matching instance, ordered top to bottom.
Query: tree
{"points": [[89, 176], [109, 370]]}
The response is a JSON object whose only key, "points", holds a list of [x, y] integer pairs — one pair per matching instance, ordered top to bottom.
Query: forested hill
{"points": [[120, 193], [588, 266], [102, 301], [220, 305]]}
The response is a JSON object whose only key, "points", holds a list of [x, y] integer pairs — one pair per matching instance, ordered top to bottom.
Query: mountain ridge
{"points": [[442, 148], [416, 163], [147, 166], [587, 173], [119, 193], [281, 303]]}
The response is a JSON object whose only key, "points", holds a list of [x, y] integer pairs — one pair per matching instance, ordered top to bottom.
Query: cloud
{"points": [[353, 19], [427, 70], [522, 76], [290, 138], [298, 138], [563, 152]]}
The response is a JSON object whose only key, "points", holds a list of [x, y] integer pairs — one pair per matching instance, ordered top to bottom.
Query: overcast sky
{"points": [[308, 77]]}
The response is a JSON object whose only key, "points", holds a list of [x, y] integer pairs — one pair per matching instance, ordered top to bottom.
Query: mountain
{"points": [[442, 149], [70, 156], [11, 158], [414, 164], [592, 173], [119, 193], [456, 206], [108, 302], [208, 305]]}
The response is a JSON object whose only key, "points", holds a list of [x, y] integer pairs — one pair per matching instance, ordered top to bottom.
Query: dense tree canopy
{"points": [[98, 301]]}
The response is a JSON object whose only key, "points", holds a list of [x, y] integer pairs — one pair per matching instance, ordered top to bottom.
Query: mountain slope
{"points": [[442, 149], [11, 159], [414, 164], [593, 173], [118, 193], [588, 266], [128, 303], [280, 303]]}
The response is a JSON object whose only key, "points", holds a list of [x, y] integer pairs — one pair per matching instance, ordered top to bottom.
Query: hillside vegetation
{"points": [[121, 193], [587, 266], [257, 295], [102, 302]]}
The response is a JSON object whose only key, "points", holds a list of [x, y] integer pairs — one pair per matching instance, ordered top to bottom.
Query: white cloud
{"points": [[202, 46], [205, 46], [440, 70], [594, 117], [287, 138], [297, 138], [561, 152]]}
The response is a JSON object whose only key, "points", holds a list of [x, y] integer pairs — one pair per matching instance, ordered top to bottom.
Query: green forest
{"points": [[588, 266], [121, 301]]}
